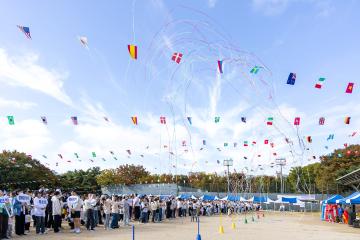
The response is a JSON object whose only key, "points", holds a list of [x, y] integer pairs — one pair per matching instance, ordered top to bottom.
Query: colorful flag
{"points": [[25, 30], [84, 41], [132, 51], [176, 57], [220, 66], [255, 70], [291, 79], [320, 82], [349, 88], [106, 119], [217, 119], [243, 119], [11, 120], [44, 120], [74, 120], [134, 120], [162, 120], [189, 120], [347, 120], [270, 121], [297, 121], [321, 121], [353, 134], [330, 137], [309, 139], [266, 141], [204, 142], [253, 142], [183, 143], [246, 143], [226, 144], [235, 144], [272, 145], [345, 145], [128, 151], [93, 154], [274, 154], [76, 155], [44, 156], [60, 156], [115, 158], [218, 161]]}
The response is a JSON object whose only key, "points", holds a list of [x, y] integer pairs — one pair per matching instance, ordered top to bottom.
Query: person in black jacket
{"points": [[48, 211]]}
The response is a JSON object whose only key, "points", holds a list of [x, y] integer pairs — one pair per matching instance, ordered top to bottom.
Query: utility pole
{"points": [[281, 162], [228, 163]]}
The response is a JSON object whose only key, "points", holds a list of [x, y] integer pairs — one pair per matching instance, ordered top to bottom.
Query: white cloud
{"points": [[270, 7], [24, 71], [6, 103]]}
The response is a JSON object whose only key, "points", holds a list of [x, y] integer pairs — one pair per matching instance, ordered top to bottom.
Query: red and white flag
{"points": [[176, 57]]}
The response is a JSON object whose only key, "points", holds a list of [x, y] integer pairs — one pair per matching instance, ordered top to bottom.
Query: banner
{"points": [[23, 198]]}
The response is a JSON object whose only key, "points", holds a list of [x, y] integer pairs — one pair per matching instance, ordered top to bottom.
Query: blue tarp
{"points": [[185, 196], [164, 197], [208, 198], [233, 198], [260, 199], [332, 199], [289, 200], [355, 200], [343, 201]]}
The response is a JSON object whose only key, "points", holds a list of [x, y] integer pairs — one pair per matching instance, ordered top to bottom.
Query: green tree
{"points": [[81, 180]]}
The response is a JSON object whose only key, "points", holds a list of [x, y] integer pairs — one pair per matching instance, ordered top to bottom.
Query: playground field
{"points": [[294, 226]]}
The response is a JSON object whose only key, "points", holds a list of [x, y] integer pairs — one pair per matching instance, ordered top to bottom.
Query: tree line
{"points": [[17, 170]]}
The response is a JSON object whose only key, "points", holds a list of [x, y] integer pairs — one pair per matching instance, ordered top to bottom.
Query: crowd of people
{"points": [[49, 210]]}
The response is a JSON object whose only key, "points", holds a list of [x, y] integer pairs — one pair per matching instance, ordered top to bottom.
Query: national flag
{"points": [[25, 30], [132, 51], [176, 57], [220, 66], [255, 70], [291, 79], [320, 82], [349, 88], [106, 119], [134, 119], [217, 119], [243, 119], [11, 120], [44, 120], [74, 120], [162, 120], [189, 120], [347, 120], [270, 121], [297, 121], [321, 121], [353, 134], [330, 137], [309, 139], [266, 141], [204, 142], [253, 142], [183, 143], [246, 143], [226, 144], [235, 144], [272, 145], [345, 145], [128, 151], [111, 152], [274, 153], [93, 154], [76, 155], [44, 156], [60, 156], [115, 158], [103, 159], [218, 161]]}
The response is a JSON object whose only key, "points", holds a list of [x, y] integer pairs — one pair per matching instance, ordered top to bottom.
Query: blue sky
{"points": [[53, 75]]}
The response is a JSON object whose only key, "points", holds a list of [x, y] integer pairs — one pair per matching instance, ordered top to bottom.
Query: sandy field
{"points": [[294, 226]]}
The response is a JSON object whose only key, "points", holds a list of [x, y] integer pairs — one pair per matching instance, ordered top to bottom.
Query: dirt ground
{"points": [[294, 226]]}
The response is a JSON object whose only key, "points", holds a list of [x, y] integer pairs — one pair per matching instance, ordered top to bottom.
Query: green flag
{"points": [[217, 119], [11, 120], [226, 144], [93, 154], [76, 155], [115, 158]]}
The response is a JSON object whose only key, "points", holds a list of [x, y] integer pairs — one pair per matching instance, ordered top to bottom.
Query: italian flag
{"points": [[320, 82], [270, 121], [246, 143]]}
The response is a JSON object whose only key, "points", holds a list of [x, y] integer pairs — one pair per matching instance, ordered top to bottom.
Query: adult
{"points": [[40, 203], [75, 204], [106, 204], [89, 205], [136, 206], [56, 211], [115, 212], [19, 213], [4, 215]]}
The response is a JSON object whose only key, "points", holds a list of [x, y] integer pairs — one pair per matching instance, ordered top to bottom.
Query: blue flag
{"points": [[291, 79]]}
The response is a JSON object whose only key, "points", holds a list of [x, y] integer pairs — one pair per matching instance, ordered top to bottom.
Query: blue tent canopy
{"points": [[185, 196], [208, 198], [233, 198], [260, 199], [289, 199], [332, 199], [355, 200], [343, 201]]}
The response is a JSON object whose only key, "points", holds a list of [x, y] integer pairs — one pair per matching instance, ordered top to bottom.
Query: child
{"points": [[40, 203]]}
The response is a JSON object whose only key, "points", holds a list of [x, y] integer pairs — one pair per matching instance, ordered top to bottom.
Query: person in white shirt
{"points": [[106, 203], [40, 204], [75, 204], [89, 205], [136, 206], [56, 210], [126, 211], [144, 211], [115, 212]]}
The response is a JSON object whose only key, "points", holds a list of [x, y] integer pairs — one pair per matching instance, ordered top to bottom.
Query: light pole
{"points": [[281, 162], [228, 163]]}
